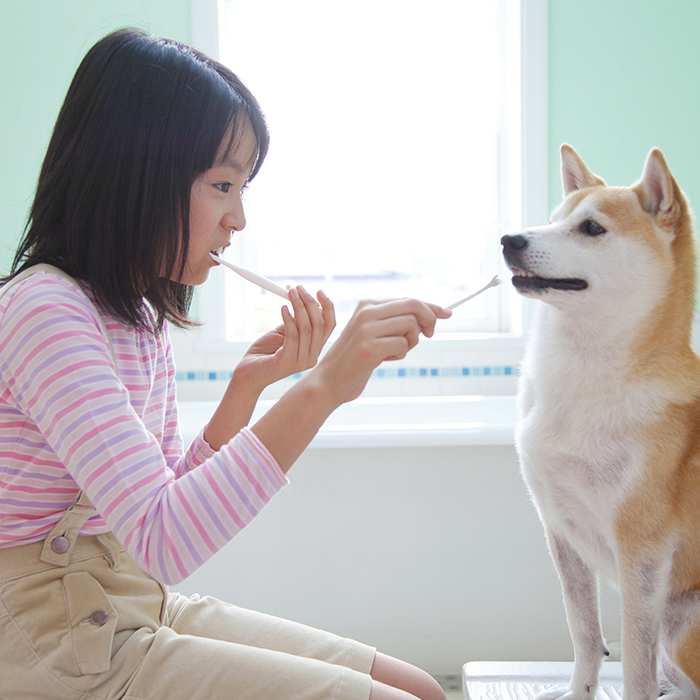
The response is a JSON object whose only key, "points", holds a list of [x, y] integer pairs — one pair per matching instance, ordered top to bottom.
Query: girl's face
{"points": [[216, 207]]}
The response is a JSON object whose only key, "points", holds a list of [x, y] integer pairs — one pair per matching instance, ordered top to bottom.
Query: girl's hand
{"points": [[377, 331], [293, 346]]}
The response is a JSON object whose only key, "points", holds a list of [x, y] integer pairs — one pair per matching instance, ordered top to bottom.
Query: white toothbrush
{"points": [[252, 277], [493, 283], [276, 289]]}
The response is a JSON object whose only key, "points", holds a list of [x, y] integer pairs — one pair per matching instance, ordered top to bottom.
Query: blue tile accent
{"points": [[379, 373]]}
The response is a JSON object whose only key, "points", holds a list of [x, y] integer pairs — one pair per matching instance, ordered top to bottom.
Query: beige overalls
{"points": [[80, 620]]}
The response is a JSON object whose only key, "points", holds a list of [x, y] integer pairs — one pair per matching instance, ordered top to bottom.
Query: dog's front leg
{"points": [[644, 585], [580, 588]]}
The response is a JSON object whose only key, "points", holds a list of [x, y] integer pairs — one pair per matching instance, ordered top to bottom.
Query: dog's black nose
{"points": [[515, 243]]}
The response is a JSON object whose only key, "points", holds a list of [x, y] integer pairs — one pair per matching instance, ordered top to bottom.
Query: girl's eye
{"points": [[228, 186], [591, 228]]}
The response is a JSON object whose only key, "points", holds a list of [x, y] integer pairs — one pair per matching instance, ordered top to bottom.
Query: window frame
{"points": [[443, 348]]}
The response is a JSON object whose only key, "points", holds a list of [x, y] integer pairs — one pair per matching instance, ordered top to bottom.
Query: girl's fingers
{"points": [[440, 311], [328, 312], [426, 314], [303, 325], [405, 326], [317, 329], [394, 348], [289, 349]]}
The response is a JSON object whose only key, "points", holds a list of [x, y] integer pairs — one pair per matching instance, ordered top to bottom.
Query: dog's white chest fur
{"points": [[577, 438]]}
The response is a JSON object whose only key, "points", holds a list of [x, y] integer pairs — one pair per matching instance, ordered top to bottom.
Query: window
{"points": [[397, 155]]}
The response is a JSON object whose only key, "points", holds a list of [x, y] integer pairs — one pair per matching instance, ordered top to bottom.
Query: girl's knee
{"points": [[412, 680], [427, 688], [381, 691], [436, 693]]}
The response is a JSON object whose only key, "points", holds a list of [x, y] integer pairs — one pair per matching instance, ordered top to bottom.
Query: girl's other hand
{"points": [[293, 346]]}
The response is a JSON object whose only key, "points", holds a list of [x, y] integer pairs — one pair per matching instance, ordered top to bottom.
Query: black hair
{"points": [[143, 118]]}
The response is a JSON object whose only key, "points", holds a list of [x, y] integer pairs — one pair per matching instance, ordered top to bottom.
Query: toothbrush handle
{"points": [[256, 279], [262, 282], [493, 283]]}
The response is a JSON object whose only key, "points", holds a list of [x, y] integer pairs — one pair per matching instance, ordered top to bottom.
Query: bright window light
{"points": [[394, 157]]}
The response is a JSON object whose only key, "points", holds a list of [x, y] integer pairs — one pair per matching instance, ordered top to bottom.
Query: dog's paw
{"points": [[563, 694]]}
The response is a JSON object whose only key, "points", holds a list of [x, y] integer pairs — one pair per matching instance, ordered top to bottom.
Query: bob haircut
{"points": [[142, 119]]}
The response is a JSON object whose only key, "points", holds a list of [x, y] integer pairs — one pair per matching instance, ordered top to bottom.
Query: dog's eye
{"points": [[591, 228]]}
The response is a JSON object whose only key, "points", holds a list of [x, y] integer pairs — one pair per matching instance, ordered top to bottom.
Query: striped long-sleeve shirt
{"points": [[70, 420]]}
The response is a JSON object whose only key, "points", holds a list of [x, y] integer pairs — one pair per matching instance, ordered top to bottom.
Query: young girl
{"points": [[100, 507]]}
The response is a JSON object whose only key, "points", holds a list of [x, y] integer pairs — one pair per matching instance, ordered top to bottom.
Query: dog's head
{"points": [[607, 245]]}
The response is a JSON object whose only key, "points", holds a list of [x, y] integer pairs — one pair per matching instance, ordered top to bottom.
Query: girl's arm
{"points": [[58, 369], [231, 416], [290, 425]]}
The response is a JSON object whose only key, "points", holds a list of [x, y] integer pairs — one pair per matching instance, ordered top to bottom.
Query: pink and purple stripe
{"points": [[71, 420]]}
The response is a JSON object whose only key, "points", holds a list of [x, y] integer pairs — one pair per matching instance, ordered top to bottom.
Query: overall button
{"points": [[60, 544], [99, 617]]}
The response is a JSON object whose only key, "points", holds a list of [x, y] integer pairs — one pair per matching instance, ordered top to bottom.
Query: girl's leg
{"points": [[187, 667], [401, 675], [390, 678]]}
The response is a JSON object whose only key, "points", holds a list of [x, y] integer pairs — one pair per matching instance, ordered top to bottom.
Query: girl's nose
{"points": [[235, 219]]}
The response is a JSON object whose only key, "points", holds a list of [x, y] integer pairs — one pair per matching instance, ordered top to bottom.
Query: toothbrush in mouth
{"points": [[252, 277]]}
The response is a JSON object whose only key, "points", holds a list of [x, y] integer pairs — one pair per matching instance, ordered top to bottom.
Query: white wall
{"points": [[434, 555]]}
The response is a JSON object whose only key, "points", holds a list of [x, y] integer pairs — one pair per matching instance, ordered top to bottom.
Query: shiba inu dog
{"points": [[608, 433]]}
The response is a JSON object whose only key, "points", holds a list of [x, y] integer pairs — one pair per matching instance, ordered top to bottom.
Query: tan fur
{"points": [[575, 198], [665, 507], [688, 657]]}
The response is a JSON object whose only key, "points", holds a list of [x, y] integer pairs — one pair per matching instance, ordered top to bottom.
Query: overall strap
{"points": [[59, 542]]}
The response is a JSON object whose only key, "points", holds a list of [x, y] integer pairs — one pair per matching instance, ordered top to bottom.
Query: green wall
{"points": [[43, 41], [622, 78]]}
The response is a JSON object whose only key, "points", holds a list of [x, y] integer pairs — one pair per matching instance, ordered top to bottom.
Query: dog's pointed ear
{"points": [[575, 174], [655, 189]]}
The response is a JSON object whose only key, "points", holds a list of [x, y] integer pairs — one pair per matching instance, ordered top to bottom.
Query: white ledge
{"points": [[397, 421]]}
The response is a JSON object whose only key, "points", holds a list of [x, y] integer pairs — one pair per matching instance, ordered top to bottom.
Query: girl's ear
{"points": [[575, 174], [655, 189]]}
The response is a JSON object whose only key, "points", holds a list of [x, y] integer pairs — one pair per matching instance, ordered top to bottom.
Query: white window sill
{"points": [[427, 421]]}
